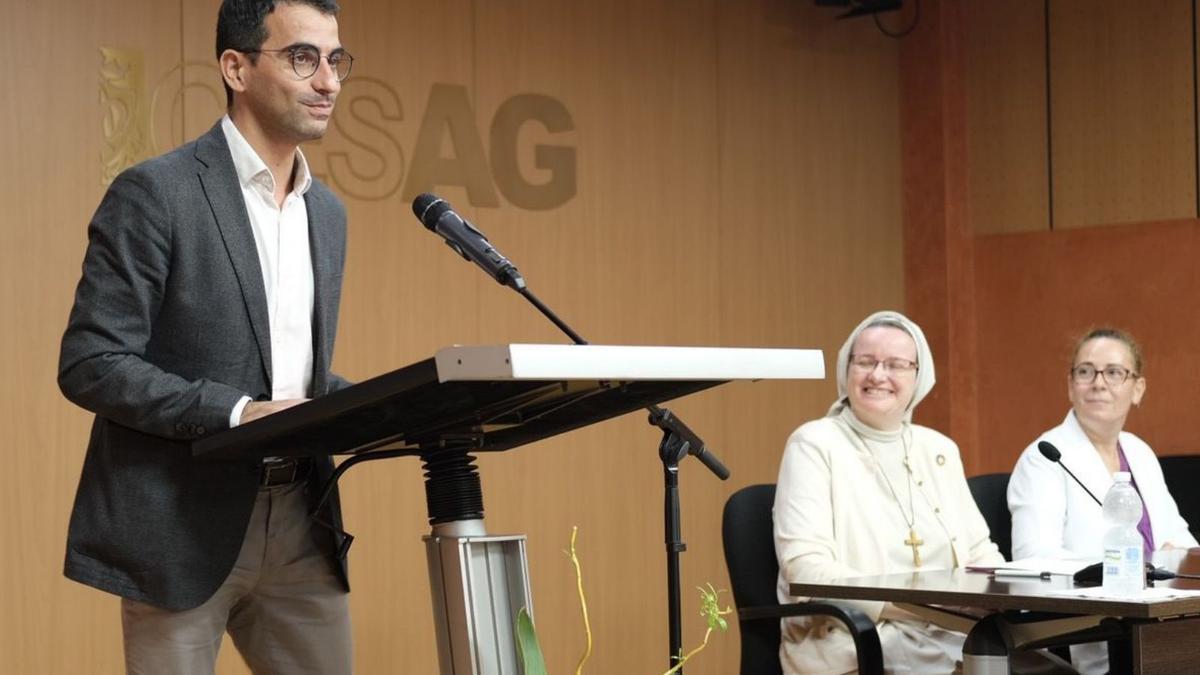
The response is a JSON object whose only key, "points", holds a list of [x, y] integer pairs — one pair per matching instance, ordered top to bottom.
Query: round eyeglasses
{"points": [[305, 60], [1114, 375]]}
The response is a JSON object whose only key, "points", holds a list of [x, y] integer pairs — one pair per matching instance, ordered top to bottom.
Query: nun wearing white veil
{"points": [[863, 490]]}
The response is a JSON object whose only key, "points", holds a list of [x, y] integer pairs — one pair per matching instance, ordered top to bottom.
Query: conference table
{"points": [[1151, 635]]}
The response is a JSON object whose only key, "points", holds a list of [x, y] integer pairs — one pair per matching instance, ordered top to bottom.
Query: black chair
{"points": [[1182, 475], [990, 492], [991, 496], [747, 531]]}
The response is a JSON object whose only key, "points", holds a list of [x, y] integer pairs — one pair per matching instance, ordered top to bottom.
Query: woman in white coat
{"points": [[863, 490], [1052, 517]]}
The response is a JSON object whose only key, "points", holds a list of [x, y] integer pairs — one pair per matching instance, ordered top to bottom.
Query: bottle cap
{"points": [[1121, 477]]}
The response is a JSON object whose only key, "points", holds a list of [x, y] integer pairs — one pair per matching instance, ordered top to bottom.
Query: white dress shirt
{"points": [[281, 236]]}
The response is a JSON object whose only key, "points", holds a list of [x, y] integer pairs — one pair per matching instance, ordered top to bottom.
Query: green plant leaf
{"points": [[710, 608], [528, 648]]}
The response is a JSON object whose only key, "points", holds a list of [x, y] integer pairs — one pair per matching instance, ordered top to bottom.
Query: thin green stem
{"points": [[587, 625], [691, 653]]}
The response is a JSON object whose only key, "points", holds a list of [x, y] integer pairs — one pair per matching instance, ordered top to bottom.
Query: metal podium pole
{"points": [[478, 583]]}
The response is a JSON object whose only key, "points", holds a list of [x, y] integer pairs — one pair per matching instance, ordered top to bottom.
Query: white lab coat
{"points": [[1052, 517]]}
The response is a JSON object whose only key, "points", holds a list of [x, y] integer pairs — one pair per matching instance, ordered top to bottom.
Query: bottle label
{"points": [[1123, 569]]}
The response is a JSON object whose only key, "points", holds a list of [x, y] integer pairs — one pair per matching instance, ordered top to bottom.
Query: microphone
{"points": [[438, 216], [1051, 453], [1092, 575]]}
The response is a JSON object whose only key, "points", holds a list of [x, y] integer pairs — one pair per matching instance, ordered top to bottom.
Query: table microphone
{"points": [[1051, 453], [1091, 575]]}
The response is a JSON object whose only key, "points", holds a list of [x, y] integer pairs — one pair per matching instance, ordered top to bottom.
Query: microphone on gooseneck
{"points": [[438, 216], [1051, 453], [1092, 574]]}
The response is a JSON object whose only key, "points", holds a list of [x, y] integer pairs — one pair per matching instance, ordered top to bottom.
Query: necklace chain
{"points": [[910, 520], [913, 541]]}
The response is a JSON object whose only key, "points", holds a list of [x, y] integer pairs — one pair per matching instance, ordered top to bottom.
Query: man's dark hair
{"points": [[241, 26]]}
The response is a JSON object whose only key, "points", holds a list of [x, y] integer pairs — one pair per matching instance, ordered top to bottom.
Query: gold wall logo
{"points": [[126, 124], [362, 155]]}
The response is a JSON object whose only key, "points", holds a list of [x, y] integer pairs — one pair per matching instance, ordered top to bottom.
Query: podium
{"points": [[467, 400]]}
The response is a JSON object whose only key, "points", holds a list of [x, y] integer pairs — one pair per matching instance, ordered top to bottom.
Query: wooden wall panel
{"points": [[194, 90], [1122, 113], [54, 142], [1008, 150], [737, 183], [809, 205], [939, 272], [1039, 292]]}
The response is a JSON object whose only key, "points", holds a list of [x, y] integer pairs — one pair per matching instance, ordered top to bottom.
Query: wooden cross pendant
{"points": [[914, 541]]}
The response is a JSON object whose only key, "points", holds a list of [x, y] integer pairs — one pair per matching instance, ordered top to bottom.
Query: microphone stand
{"points": [[678, 441]]}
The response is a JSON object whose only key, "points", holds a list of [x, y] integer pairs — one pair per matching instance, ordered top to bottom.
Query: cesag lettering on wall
{"points": [[449, 122], [362, 155]]}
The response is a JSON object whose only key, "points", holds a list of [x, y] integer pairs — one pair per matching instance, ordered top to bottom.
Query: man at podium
{"points": [[209, 298]]}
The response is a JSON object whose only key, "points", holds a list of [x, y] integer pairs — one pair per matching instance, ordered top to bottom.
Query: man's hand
{"points": [[256, 409]]}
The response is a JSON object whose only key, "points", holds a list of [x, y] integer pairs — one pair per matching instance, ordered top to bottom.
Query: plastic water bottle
{"points": [[1124, 569]]}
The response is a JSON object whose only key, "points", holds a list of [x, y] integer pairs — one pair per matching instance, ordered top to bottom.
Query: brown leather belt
{"points": [[285, 471]]}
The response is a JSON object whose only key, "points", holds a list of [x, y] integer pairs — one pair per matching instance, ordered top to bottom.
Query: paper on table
{"points": [[1064, 566], [1145, 595]]}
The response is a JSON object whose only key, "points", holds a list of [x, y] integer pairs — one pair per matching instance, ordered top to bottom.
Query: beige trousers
{"points": [[282, 604]]}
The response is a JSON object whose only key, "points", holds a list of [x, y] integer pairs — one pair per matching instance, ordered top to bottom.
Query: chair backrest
{"points": [[1182, 475], [991, 496], [747, 531]]}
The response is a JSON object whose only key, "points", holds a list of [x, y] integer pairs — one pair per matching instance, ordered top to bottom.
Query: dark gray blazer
{"points": [[168, 331]]}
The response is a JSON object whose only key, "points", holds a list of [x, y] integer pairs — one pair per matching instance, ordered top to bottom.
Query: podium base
{"points": [[478, 583]]}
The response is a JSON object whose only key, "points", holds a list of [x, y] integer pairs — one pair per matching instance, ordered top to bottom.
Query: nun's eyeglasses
{"points": [[868, 364]]}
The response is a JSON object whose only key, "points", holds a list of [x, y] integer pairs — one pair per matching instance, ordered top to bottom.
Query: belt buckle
{"points": [[286, 468]]}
